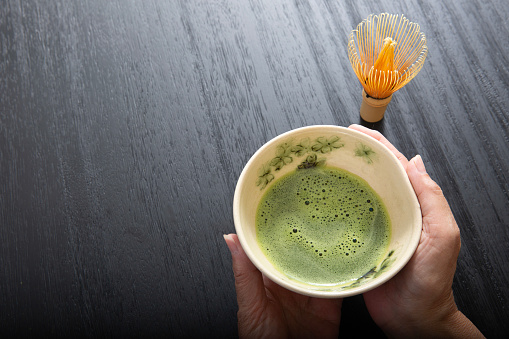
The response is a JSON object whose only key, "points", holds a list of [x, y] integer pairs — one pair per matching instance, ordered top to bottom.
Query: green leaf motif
{"points": [[325, 145], [301, 148], [286, 152], [365, 152], [283, 157], [311, 161], [264, 177], [385, 264], [374, 272]]}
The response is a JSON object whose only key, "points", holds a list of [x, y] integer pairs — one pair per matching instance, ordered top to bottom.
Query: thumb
{"points": [[438, 220], [248, 280]]}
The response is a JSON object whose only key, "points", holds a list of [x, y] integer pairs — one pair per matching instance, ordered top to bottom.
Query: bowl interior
{"points": [[346, 149]]}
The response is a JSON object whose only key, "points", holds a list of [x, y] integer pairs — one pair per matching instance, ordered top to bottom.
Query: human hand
{"points": [[418, 301], [267, 310]]}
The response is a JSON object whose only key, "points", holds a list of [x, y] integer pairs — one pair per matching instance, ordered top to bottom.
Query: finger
{"points": [[378, 136], [438, 220], [248, 280]]}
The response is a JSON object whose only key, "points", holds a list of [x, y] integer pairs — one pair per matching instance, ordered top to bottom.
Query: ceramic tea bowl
{"points": [[334, 147]]}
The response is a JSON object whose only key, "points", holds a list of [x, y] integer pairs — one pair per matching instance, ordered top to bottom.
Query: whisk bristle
{"points": [[386, 51]]}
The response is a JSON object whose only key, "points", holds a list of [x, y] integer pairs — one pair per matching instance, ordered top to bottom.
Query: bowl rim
{"points": [[413, 241]]}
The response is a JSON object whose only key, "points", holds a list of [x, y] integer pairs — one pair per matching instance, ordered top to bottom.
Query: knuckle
{"points": [[434, 188], [457, 237], [241, 277]]}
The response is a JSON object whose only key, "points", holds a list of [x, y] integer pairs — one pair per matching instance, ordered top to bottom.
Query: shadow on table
{"points": [[379, 126], [356, 321]]}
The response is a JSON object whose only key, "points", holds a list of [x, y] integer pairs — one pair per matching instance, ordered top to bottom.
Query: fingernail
{"points": [[419, 164], [232, 246]]}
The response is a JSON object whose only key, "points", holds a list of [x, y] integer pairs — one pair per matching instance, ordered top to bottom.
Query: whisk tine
{"points": [[367, 41]]}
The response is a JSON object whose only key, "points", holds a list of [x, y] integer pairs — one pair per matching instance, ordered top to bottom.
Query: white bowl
{"points": [[346, 149]]}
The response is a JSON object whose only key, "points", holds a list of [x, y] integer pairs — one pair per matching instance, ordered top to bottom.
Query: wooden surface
{"points": [[124, 126]]}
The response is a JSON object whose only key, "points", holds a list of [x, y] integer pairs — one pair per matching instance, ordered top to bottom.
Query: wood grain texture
{"points": [[124, 126]]}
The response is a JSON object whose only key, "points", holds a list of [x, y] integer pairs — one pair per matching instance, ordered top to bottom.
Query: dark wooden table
{"points": [[124, 126]]}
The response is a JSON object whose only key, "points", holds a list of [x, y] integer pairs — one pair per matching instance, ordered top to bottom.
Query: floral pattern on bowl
{"points": [[287, 151]]}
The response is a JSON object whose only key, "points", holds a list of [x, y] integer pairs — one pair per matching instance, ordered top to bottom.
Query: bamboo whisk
{"points": [[386, 52]]}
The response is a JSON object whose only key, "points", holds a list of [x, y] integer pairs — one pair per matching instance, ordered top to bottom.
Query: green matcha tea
{"points": [[322, 226]]}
